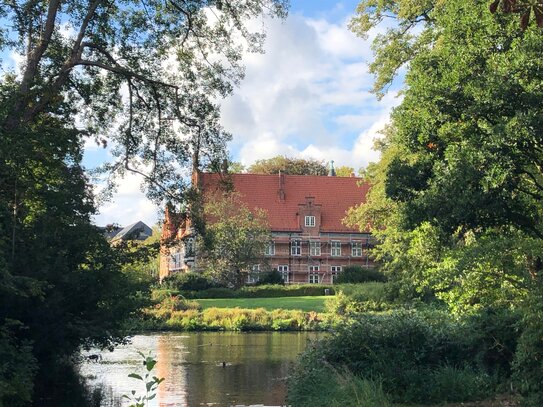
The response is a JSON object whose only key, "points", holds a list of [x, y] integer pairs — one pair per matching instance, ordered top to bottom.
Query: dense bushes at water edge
{"points": [[418, 357]]}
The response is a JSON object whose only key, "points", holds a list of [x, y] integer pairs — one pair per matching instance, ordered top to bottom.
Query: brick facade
{"points": [[310, 243]]}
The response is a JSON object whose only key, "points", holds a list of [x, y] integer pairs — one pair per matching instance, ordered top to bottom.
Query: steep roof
{"points": [[335, 195], [135, 231]]}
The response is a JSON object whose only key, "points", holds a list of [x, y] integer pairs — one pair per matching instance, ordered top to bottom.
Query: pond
{"points": [[203, 369]]}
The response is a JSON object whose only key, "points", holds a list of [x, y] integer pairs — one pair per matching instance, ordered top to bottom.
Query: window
{"points": [[310, 221], [189, 247], [296, 248], [315, 248], [335, 248], [270, 249], [356, 249], [175, 261], [255, 268], [283, 269], [314, 269], [335, 270], [313, 279]]}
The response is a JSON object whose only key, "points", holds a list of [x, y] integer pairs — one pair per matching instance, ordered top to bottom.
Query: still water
{"points": [[254, 371]]}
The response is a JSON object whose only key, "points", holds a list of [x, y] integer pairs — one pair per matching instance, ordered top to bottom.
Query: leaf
{"points": [[135, 376], [151, 397]]}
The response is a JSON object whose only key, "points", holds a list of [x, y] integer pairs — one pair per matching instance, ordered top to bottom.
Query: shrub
{"points": [[358, 274], [272, 277], [187, 282], [421, 357], [528, 363], [323, 386]]}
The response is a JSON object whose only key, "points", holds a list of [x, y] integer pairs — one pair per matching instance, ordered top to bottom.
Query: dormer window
{"points": [[310, 221]]}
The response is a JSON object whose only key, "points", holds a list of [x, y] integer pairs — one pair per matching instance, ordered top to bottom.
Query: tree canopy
{"points": [[142, 77], [286, 165], [456, 196], [234, 240]]}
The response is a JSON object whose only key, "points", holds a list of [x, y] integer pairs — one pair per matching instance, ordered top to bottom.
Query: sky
{"points": [[308, 96]]}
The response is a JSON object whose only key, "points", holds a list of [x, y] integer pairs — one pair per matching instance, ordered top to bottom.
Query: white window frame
{"points": [[309, 221], [189, 247], [296, 247], [314, 248], [335, 248], [356, 249], [269, 250], [176, 260], [255, 268], [282, 268], [314, 269], [336, 269], [312, 277]]}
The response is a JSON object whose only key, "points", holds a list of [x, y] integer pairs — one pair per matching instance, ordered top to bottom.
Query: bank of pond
{"points": [[375, 352]]}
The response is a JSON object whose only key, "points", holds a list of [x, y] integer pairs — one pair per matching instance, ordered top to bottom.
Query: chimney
{"points": [[332, 171], [281, 192]]}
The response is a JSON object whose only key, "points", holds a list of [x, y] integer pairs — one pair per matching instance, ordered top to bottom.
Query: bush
{"points": [[358, 274], [272, 277], [187, 282], [422, 357], [528, 363], [324, 386]]}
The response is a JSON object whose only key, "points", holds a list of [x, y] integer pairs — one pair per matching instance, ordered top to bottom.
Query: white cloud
{"points": [[308, 96], [128, 206]]}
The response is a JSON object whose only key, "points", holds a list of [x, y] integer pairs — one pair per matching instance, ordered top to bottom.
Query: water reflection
{"points": [[218, 369]]}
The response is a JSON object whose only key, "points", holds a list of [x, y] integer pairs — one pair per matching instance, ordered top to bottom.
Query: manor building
{"points": [[310, 243]]}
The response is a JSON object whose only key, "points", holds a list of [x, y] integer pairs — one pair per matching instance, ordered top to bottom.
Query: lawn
{"points": [[300, 303]]}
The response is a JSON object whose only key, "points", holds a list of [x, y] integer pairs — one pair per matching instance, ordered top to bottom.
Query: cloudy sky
{"points": [[307, 96]]}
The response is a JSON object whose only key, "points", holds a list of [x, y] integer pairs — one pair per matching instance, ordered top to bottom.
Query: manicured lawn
{"points": [[301, 303]]}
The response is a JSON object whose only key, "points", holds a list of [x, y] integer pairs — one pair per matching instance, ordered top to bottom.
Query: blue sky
{"points": [[307, 96]]}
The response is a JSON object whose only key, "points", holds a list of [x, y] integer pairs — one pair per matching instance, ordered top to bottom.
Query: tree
{"points": [[136, 75], [463, 151], [286, 165], [344, 171], [456, 197], [234, 239], [61, 283]]}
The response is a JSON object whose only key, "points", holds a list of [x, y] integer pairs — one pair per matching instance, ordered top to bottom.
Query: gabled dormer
{"points": [[309, 215]]}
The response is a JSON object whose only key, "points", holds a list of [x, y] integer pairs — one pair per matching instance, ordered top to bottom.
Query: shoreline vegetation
{"points": [[421, 354]]}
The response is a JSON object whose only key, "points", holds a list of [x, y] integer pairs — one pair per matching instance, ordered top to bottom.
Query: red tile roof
{"points": [[335, 194]]}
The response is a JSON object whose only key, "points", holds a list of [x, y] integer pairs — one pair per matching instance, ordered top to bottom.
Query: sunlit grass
{"points": [[293, 303]]}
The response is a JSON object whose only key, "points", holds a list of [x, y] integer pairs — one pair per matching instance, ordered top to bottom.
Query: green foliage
{"points": [[124, 62], [291, 166], [234, 241], [359, 274], [270, 278], [60, 279], [187, 282], [353, 298], [236, 319], [420, 357], [528, 364], [17, 367], [151, 383], [324, 386]]}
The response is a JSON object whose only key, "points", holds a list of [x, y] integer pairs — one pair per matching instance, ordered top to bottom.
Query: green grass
{"points": [[292, 303]]}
